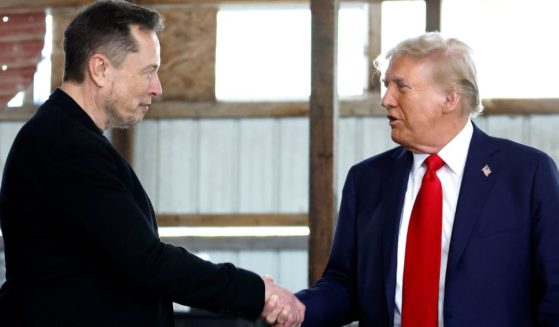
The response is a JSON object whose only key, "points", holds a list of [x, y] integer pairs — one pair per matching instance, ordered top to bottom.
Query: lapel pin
{"points": [[486, 170]]}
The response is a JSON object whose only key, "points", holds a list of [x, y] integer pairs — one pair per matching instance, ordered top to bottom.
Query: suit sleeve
{"points": [[86, 186], [546, 241], [331, 302]]}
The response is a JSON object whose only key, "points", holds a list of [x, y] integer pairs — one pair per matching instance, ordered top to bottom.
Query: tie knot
{"points": [[434, 162]]}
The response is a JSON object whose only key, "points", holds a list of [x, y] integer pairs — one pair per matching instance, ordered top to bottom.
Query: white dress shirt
{"points": [[454, 155]]}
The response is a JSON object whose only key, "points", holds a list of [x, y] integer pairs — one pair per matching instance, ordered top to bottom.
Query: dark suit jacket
{"points": [[81, 239], [503, 265]]}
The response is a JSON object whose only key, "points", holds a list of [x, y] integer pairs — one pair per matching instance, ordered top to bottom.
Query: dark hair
{"points": [[104, 27]]}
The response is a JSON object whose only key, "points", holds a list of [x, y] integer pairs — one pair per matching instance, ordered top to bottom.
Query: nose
{"points": [[155, 89], [388, 100]]}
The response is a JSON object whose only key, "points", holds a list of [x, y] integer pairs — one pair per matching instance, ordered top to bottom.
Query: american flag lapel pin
{"points": [[486, 170]]}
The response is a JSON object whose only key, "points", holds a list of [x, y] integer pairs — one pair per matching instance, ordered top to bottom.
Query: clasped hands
{"points": [[281, 307]]}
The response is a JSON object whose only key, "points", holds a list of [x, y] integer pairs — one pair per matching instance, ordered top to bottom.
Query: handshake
{"points": [[281, 307]]}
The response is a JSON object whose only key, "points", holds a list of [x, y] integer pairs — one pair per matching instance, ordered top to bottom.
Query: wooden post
{"points": [[433, 19], [323, 118], [123, 141]]}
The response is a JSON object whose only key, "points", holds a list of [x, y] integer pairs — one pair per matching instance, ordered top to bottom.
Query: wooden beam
{"points": [[76, 3], [433, 12], [367, 106], [520, 106], [323, 116], [217, 220]]}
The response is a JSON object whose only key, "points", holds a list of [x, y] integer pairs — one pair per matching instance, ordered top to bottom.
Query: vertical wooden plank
{"points": [[433, 15], [375, 31], [324, 108], [123, 141], [146, 158], [178, 166], [219, 166], [258, 167], [293, 182]]}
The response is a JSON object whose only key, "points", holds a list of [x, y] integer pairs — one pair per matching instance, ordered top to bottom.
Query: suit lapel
{"points": [[393, 193], [473, 194]]}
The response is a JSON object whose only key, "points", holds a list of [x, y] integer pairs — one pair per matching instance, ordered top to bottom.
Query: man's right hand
{"points": [[281, 307]]}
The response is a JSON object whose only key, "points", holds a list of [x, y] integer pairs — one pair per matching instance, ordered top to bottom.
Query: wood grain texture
{"points": [[188, 52], [323, 114], [245, 219]]}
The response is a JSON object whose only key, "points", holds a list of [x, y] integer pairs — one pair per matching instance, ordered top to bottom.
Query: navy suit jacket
{"points": [[81, 239], [503, 265]]}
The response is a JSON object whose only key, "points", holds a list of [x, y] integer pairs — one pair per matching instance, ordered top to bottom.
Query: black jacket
{"points": [[81, 239]]}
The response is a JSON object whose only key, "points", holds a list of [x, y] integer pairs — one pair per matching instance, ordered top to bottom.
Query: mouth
{"points": [[145, 107], [392, 120]]}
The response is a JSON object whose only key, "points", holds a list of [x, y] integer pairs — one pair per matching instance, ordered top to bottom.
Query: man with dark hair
{"points": [[80, 233]]}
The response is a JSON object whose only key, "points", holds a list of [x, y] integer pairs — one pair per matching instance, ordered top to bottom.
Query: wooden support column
{"points": [[433, 11], [323, 118], [123, 141]]}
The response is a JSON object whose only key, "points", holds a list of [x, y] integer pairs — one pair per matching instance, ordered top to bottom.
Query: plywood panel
{"points": [[188, 52], [259, 165], [178, 166], [219, 166], [293, 183]]}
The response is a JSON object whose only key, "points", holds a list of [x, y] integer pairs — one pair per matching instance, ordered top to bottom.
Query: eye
{"points": [[402, 85]]}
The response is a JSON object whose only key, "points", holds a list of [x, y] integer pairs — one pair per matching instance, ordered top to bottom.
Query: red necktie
{"points": [[423, 251]]}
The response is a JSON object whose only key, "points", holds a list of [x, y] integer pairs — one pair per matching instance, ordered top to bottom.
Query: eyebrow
{"points": [[154, 66], [394, 79]]}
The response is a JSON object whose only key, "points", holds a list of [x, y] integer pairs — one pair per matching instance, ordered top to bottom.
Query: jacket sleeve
{"points": [[87, 186], [545, 210], [331, 301]]}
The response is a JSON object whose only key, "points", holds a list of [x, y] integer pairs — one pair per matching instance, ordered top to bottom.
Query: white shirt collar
{"points": [[454, 153]]}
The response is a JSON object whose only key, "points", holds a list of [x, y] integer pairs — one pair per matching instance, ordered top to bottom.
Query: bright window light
{"points": [[400, 20], [264, 52], [515, 55], [41, 86], [17, 100]]}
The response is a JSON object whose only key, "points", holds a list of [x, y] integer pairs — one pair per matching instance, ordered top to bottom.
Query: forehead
{"points": [[409, 68]]}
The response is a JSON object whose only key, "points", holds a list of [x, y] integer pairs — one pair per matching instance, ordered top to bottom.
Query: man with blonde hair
{"points": [[452, 228]]}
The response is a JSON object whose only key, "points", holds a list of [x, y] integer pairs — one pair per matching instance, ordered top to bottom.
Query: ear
{"points": [[99, 69], [451, 101]]}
